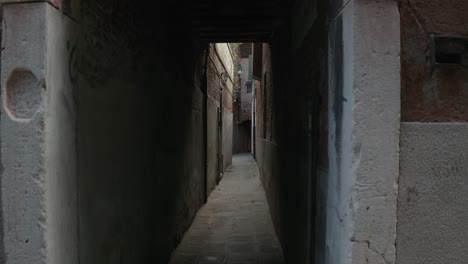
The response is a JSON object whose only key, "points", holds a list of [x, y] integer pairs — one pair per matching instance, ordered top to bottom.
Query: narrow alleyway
{"points": [[235, 225]]}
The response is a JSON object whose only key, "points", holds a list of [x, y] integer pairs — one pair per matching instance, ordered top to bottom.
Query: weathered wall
{"points": [[219, 61], [293, 84], [432, 94], [364, 119], [60, 129], [212, 131], [38, 132], [101, 133], [140, 134], [432, 192], [432, 202]]}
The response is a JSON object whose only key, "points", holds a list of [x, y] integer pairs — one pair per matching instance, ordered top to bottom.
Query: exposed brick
{"points": [[214, 85]]}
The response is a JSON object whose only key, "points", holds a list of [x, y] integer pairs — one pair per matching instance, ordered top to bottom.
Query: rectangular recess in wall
{"points": [[449, 51], [257, 61]]}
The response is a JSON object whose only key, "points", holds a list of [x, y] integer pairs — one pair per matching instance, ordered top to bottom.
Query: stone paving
{"points": [[234, 227]]}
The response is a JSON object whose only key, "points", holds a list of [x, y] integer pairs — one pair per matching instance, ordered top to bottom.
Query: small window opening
{"points": [[248, 86]]}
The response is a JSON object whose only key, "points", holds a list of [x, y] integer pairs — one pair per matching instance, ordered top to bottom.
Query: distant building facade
{"points": [[242, 125]]}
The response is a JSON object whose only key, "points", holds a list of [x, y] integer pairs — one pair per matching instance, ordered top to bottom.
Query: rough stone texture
{"points": [[52, 2], [70, 7], [22, 94], [432, 94], [364, 109], [38, 132], [23, 181], [432, 201], [234, 226]]}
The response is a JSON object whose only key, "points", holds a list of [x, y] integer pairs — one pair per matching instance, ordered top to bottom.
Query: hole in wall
{"points": [[23, 93]]}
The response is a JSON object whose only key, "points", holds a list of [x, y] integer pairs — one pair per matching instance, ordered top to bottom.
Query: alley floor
{"points": [[234, 227]]}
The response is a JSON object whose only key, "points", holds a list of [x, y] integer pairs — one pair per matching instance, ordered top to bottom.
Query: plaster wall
{"points": [[432, 191], [432, 219]]}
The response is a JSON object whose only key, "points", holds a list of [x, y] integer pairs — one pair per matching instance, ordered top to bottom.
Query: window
{"points": [[248, 86]]}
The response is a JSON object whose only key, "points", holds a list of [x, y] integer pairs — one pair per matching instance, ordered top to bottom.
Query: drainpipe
{"points": [[222, 81], [204, 88], [253, 123], [313, 123], [220, 135], [309, 175]]}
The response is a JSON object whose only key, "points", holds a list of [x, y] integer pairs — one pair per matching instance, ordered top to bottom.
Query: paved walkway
{"points": [[234, 227]]}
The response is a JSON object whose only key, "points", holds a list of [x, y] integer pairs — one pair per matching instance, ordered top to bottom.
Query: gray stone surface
{"points": [[71, 8], [60, 110], [364, 120], [38, 132], [23, 182], [433, 194], [235, 225]]}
